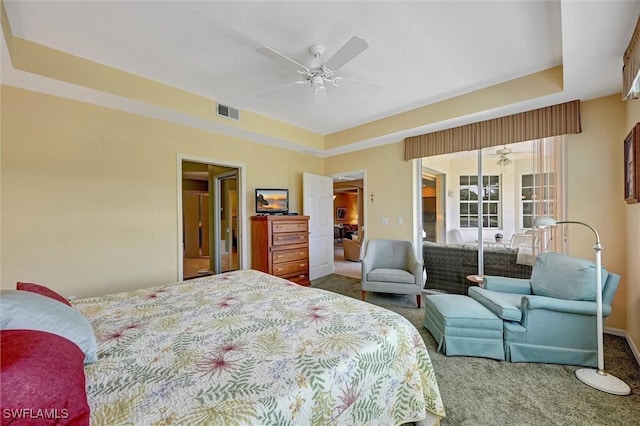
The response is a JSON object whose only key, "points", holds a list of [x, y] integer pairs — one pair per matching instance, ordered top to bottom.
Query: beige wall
{"points": [[390, 179], [595, 192], [89, 194], [595, 196], [632, 221]]}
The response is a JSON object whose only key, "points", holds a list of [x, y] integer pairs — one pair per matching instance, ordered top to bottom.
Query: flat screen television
{"points": [[272, 201]]}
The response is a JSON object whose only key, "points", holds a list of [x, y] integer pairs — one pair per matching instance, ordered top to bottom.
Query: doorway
{"points": [[433, 205], [212, 217], [226, 220], [348, 222]]}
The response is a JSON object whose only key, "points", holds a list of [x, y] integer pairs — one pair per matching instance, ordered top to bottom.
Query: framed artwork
{"points": [[632, 166], [341, 213]]}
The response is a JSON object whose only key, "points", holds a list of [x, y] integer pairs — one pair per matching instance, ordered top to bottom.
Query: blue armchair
{"points": [[551, 317]]}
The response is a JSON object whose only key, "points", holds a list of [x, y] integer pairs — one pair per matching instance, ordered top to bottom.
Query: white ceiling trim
{"points": [[586, 27], [38, 83], [41, 84]]}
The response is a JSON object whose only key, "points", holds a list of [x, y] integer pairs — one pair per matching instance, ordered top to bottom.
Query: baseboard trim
{"points": [[623, 333]]}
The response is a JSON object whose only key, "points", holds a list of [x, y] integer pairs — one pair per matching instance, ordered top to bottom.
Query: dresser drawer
{"points": [[280, 227], [290, 238], [289, 255], [291, 268], [302, 279]]}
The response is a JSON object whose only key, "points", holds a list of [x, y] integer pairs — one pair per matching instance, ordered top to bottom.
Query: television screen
{"points": [[272, 201]]}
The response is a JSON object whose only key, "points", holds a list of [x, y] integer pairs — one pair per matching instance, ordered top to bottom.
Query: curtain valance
{"points": [[631, 64], [540, 123]]}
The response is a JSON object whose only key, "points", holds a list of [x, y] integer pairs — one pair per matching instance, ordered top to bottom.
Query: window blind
{"points": [[540, 123]]}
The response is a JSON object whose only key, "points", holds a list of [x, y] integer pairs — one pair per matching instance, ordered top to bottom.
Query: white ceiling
{"points": [[420, 51]]}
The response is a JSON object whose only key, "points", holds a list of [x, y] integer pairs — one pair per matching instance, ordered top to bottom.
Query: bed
{"points": [[247, 348]]}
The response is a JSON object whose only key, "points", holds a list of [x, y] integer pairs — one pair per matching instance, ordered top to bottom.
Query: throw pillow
{"points": [[565, 277], [40, 289], [24, 310], [43, 380]]}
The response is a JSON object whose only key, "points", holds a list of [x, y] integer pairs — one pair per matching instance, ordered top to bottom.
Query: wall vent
{"points": [[228, 112]]}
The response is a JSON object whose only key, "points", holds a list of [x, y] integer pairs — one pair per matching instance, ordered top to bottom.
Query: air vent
{"points": [[228, 112]]}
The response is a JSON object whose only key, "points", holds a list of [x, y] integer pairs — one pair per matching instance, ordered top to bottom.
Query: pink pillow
{"points": [[40, 289], [42, 380]]}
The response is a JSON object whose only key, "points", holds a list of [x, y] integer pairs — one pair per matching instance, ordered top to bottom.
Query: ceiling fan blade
{"points": [[350, 50], [281, 59], [336, 80], [282, 86]]}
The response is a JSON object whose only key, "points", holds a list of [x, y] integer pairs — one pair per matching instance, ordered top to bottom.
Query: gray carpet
{"points": [[479, 391]]}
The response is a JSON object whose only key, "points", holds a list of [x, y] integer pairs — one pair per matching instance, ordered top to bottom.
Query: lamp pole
{"points": [[598, 379]]}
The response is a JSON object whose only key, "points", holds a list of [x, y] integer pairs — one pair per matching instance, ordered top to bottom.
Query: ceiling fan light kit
{"points": [[317, 73]]}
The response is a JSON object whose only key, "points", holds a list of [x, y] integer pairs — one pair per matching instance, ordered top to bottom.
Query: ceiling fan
{"points": [[317, 72], [503, 156]]}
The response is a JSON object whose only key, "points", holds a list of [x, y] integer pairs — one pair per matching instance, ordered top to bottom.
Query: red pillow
{"points": [[40, 289], [42, 380]]}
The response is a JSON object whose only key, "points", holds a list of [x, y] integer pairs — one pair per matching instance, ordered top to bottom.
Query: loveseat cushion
{"points": [[565, 277], [504, 305]]}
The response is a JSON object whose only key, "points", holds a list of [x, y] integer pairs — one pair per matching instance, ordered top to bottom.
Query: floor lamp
{"points": [[598, 379]]}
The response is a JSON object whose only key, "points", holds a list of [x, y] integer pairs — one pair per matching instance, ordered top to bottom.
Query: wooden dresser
{"points": [[280, 246]]}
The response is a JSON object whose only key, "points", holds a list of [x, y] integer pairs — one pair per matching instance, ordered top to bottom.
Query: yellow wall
{"points": [[594, 162], [390, 179], [595, 191], [89, 194], [632, 221]]}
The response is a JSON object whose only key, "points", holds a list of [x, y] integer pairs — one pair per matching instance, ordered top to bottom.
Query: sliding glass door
{"points": [[492, 195]]}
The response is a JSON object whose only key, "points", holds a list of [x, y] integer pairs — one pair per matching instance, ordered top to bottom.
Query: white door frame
{"points": [[365, 204], [243, 219], [217, 261]]}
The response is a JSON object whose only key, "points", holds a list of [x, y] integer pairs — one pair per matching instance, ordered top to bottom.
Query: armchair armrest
{"points": [[414, 266], [418, 272], [507, 285], [561, 305]]}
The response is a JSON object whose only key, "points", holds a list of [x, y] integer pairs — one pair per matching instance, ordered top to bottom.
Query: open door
{"points": [[318, 205], [211, 217], [225, 219]]}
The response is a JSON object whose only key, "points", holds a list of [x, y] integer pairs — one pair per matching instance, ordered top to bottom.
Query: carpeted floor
{"points": [[342, 266], [479, 391]]}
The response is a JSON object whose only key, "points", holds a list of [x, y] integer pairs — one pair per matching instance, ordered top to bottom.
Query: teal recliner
{"points": [[550, 318]]}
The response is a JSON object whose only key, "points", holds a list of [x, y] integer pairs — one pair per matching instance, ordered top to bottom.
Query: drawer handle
{"points": [[301, 237], [302, 265]]}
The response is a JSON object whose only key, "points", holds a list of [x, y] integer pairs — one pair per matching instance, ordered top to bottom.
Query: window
{"points": [[538, 196], [490, 202]]}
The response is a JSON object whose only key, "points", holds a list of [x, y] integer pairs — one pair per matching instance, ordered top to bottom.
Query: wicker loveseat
{"points": [[447, 265]]}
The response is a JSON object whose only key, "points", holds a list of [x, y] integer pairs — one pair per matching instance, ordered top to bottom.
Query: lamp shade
{"points": [[544, 222]]}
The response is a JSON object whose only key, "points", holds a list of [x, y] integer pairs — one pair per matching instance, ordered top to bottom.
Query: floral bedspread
{"points": [[247, 348]]}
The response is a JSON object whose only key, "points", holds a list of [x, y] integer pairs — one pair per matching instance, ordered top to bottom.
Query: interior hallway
{"points": [[343, 266]]}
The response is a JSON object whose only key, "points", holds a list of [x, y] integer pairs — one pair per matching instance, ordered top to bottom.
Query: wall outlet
{"points": [[385, 221], [399, 221]]}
